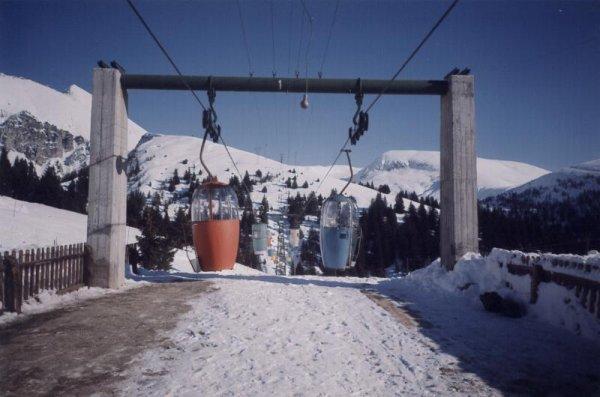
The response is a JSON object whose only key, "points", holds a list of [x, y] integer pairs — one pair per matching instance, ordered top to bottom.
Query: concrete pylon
{"points": [[458, 173], [106, 230]]}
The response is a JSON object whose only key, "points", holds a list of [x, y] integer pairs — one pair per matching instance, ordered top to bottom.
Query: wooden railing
{"points": [[26, 273], [570, 274]]}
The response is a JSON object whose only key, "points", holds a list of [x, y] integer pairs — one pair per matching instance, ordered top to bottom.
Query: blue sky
{"points": [[536, 67]]}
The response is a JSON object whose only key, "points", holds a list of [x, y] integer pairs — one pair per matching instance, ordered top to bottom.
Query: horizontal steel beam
{"points": [[284, 84]]}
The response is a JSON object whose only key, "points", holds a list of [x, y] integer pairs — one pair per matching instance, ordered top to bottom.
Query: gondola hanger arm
{"points": [[351, 170]]}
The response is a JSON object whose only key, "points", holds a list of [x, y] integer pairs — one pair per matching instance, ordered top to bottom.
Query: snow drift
{"points": [[474, 275]]}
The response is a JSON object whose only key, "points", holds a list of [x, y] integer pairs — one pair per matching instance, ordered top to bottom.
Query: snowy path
{"points": [[268, 335]]}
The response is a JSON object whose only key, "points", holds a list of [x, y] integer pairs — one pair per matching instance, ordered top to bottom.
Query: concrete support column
{"points": [[458, 173], [106, 231]]}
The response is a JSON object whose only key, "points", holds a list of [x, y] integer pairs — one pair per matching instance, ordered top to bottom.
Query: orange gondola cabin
{"points": [[215, 225]]}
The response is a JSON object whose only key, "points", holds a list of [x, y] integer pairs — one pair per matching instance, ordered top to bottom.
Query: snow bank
{"points": [[557, 305]]}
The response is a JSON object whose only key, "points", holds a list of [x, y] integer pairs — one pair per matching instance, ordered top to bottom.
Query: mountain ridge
{"points": [[416, 170]]}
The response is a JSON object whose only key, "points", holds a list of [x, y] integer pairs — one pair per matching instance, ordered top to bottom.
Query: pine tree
{"points": [[5, 174], [187, 176], [174, 181], [247, 182], [20, 183], [305, 185], [385, 189], [50, 191], [156, 200], [136, 201], [312, 204], [399, 204], [263, 213], [180, 226], [156, 253], [309, 253]]}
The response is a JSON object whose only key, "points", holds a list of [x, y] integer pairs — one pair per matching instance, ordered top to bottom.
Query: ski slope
{"points": [[69, 110], [419, 171], [25, 225], [256, 334]]}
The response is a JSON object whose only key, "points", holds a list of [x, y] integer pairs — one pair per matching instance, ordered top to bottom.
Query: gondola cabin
{"points": [[215, 225], [340, 232], [259, 237]]}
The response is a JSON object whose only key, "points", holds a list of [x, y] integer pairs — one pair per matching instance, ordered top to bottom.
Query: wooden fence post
{"points": [[87, 264], [535, 282], [13, 283], [2, 284]]}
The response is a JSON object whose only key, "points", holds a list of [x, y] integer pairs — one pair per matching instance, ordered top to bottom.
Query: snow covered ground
{"points": [[25, 225], [255, 334], [258, 334]]}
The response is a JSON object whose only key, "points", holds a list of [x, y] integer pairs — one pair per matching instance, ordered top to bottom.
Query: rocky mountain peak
{"points": [[37, 141]]}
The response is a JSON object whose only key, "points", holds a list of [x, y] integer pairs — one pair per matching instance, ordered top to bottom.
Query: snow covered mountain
{"points": [[69, 110], [47, 126], [51, 127], [43, 143], [157, 156], [419, 171], [566, 183]]}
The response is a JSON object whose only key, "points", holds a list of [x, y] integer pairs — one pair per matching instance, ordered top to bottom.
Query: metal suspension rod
{"points": [[283, 84], [351, 170], [210, 177]]}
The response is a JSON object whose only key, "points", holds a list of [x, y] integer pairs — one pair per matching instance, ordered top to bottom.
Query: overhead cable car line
{"points": [[337, 4], [290, 27], [310, 34], [273, 37], [164, 51], [412, 55], [172, 62], [406, 62], [402, 67], [250, 70], [297, 71], [251, 73], [304, 102], [334, 162]]}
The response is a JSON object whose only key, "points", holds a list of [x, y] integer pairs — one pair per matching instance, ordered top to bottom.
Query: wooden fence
{"points": [[546, 268], [24, 274]]}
